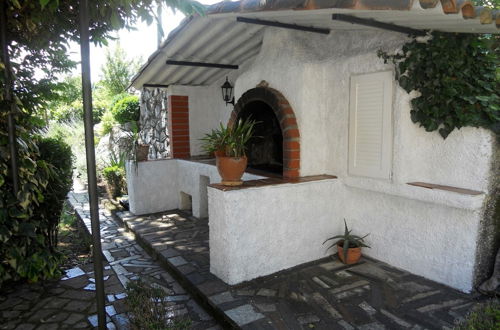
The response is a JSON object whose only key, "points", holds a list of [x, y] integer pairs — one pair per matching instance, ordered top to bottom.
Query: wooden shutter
{"points": [[370, 125]]}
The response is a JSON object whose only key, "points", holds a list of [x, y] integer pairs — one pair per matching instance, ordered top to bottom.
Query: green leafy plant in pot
{"points": [[228, 145], [348, 246]]}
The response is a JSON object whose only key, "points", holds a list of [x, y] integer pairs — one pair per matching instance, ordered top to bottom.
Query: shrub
{"points": [[127, 109], [107, 123], [59, 157], [115, 180], [26, 244], [484, 317]]}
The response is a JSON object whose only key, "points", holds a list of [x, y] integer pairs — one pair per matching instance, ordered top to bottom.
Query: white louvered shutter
{"points": [[370, 125]]}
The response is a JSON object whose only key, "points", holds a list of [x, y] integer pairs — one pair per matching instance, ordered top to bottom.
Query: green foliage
{"points": [[494, 4], [39, 33], [117, 71], [456, 77], [67, 106], [127, 109], [107, 123], [230, 139], [215, 140], [59, 157], [115, 179], [27, 227], [347, 240], [149, 309], [485, 316]]}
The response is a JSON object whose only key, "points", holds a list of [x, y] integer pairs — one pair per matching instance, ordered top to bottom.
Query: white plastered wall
{"points": [[156, 185], [259, 231], [428, 232]]}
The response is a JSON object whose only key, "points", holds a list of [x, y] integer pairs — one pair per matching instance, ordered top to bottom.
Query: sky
{"points": [[138, 44]]}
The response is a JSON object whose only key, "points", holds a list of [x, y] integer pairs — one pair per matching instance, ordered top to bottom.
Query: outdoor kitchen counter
{"points": [[272, 182]]}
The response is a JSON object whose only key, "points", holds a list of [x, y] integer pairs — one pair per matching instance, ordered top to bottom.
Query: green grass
{"points": [[72, 243], [148, 309], [485, 316]]}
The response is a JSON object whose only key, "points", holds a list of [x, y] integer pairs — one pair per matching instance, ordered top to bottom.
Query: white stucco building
{"points": [[335, 125]]}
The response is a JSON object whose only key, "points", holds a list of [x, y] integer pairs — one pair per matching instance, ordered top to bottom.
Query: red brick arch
{"points": [[287, 120]]}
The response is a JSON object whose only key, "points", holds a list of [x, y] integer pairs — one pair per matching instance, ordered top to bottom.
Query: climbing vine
{"points": [[457, 80]]}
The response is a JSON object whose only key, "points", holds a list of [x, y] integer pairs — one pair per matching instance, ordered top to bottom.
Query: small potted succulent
{"points": [[348, 246]]}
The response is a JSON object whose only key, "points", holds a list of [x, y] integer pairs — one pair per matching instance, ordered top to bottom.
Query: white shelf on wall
{"points": [[452, 197]]}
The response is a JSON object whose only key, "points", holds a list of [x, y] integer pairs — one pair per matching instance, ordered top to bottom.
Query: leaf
{"points": [[43, 3]]}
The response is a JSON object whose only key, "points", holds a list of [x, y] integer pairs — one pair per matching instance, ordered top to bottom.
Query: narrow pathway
{"points": [[130, 262]]}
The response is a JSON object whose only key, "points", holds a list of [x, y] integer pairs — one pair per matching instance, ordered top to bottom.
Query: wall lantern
{"points": [[227, 92]]}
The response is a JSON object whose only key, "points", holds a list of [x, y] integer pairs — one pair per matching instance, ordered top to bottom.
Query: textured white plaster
{"points": [[313, 72], [150, 186], [155, 186], [259, 231], [428, 232]]}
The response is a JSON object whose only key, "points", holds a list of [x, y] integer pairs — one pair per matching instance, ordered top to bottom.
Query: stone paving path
{"points": [[130, 262], [325, 294], [68, 303]]}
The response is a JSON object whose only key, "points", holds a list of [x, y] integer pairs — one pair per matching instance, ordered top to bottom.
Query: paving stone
{"points": [[177, 261], [332, 265], [74, 272], [321, 283], [348, 286], [90, 287], [245, 292], [266, 293], [120, 295], [421, 296], [176, 298], [221, 298], [323, 303], [433, 307], [266, 308], [367, 308], [110, 310], [200, 312], [10, 314], [41, 315], [243, 315], [58, 317], [73, 318], [308, 319], [395, 319], [345, 325], [372, 326]]}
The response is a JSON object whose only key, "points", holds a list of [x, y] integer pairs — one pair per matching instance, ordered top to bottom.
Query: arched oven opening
{"points": [[265, 148]]}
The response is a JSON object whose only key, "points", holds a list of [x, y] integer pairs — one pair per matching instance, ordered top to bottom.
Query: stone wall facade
{"points": [[153, 122]]}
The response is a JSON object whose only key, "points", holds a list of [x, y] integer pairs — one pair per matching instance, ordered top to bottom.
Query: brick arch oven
{"points": [[275, 146]]}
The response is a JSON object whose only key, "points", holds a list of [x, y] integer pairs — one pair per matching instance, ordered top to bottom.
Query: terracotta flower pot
{"points": [[142, 152], [219, 153], [231, 169], [353, 254]]}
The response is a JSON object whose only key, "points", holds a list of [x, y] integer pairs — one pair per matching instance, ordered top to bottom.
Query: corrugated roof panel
{"points": [[218, 38]]}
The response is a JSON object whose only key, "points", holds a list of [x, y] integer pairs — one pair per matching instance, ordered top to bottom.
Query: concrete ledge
{"points": [[439, 197]]}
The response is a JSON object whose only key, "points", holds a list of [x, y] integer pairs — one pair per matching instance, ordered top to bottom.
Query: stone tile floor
{"points": [[130, 262], [325, 294], [68, 303]]}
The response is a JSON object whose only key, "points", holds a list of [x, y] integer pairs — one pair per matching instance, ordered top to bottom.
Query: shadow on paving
{"points": [[130, 262], [325, 294], [67, 303]]}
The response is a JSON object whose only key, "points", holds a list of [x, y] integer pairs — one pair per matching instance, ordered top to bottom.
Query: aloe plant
{"points": [[347, 240]]}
